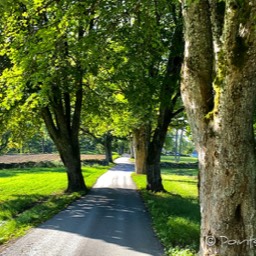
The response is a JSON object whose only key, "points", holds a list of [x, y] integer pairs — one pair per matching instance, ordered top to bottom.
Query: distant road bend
{"points": [[109, 221]]}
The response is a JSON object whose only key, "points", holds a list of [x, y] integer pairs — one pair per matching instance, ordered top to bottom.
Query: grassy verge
{"points": [[30, 196], [175, 214]]}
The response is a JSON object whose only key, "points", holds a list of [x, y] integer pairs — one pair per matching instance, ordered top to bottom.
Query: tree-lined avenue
{"points": [[110, 220]]}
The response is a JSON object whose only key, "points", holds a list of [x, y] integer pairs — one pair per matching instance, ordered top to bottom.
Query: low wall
{"points": [[31, 164]]}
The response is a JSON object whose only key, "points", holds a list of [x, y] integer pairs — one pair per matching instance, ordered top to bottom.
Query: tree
{"points": [[50, 45], [146, 57], [219, 94], [168, 98], [105, 116], [105, 140]]}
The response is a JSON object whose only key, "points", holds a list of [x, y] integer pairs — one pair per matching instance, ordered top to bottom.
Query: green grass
{"points": [[115, 155], [183, 159], [30, 196], [175, 214]]}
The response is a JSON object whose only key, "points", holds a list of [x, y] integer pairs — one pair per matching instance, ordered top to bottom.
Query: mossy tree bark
{"points": [[219, 93]]}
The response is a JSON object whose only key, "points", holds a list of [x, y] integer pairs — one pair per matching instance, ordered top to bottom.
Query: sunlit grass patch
{"points": [[182, 159], [30, 196], [175, 214]]}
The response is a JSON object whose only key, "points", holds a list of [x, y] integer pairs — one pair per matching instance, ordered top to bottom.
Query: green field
{"points": [[183, 159], [30, 196], [175, 214]]}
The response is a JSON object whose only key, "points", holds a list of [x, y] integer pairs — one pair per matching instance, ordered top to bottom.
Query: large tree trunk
{"points": [[219, 93], [64, 131], [141, 141], [70, 156], [154, 180]]}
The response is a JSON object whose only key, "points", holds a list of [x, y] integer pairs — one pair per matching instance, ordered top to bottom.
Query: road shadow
{"points": [[123, 167], [116, 216]]}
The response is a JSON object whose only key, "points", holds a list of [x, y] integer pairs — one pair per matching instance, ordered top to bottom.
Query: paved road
{"points": [[109, 221]]}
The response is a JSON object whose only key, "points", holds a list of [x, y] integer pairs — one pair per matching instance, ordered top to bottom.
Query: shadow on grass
{"points": [[14, 207], [26, 211], [176, 219]]}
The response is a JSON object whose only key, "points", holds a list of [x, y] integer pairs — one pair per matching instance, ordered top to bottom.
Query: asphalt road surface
{"points": [[109, 221]]}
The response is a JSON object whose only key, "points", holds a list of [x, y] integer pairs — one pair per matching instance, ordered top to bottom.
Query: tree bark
{"points": [[219, 92], [64, 132], [141, 141], [70, 155], [154, 179]]}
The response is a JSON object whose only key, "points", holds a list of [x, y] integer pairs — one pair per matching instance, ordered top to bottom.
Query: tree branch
{"points": [[67, 108], [77, 112], [175, 113], [48, 120], [86, 131]]}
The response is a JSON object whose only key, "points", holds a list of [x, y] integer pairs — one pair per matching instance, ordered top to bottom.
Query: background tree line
{"points": [[111, 69]]}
